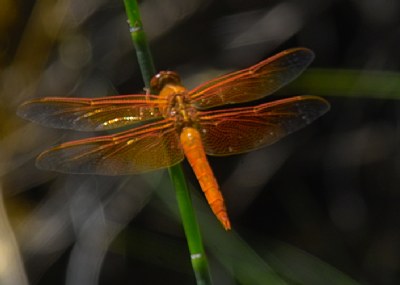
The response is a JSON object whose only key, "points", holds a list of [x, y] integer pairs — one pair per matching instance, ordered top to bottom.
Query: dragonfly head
{"points": [[163, 78]]}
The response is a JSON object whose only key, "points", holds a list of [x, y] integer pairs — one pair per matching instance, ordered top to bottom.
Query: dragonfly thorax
{"points": [[178, 105]]}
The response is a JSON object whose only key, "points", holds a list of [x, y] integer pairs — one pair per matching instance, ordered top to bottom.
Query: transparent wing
{"points": [[254, 82], [86, 114], [238, 130], [142, 149]]}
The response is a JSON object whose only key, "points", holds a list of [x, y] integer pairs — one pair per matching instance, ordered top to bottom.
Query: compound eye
{"points": [[163, 78]]}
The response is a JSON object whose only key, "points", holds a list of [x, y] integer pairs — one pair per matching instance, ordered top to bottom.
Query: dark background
{"points": [[330, 190]]}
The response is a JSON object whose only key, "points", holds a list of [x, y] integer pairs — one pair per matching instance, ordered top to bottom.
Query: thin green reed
{"points": [[191, 227]]}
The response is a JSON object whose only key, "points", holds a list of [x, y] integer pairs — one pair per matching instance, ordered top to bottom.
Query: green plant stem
{"points": [[139, 39], [190, 225]]}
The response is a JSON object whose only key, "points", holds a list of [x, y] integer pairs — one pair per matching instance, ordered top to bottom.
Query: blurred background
{"points": [[319, 207]]}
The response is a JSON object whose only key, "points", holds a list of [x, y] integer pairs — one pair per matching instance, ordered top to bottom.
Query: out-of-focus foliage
{"points": [[330, 190]]}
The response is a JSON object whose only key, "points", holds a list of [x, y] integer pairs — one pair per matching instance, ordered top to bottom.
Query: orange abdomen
{"points": [[194, 152]]}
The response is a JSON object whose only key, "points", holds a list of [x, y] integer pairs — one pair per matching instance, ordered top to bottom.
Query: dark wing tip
{"points": [[305, 52], [297, 54], [301, 55], [313, 107], [24, 110], [35, 111]]}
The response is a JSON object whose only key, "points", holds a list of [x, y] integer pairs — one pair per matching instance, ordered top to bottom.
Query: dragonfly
{"points": [[179, 123]]}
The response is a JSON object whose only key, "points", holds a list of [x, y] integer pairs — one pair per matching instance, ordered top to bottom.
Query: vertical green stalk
{"points": [[139, 39], [190, 225]]}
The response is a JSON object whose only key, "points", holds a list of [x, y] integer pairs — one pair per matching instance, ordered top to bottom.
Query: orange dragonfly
{"points": [[179, 124]]}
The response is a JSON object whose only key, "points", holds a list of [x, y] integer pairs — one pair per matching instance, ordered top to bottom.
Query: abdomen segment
{"points": [[194, 152]]}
